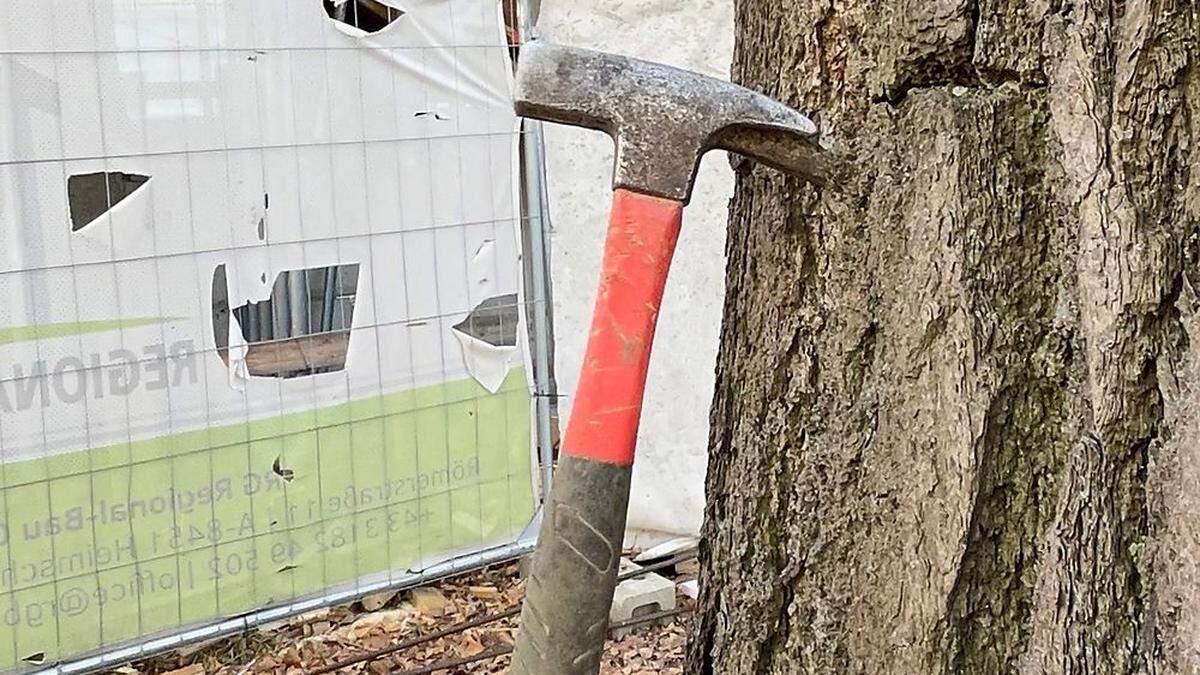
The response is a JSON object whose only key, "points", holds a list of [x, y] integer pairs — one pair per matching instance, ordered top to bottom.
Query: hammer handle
{"points": [[569, 591]]}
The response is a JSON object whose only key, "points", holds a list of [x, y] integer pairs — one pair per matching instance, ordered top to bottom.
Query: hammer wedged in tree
{"points": [[663, 121]]}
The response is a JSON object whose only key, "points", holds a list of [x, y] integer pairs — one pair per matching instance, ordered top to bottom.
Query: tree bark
{"points": [[956, 421]]}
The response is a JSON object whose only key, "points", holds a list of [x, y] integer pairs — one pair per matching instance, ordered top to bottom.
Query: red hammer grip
{"points": [[637, 257], [570, 586]]}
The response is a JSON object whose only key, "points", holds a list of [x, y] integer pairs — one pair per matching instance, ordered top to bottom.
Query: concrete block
{"points": [[646, 594]]}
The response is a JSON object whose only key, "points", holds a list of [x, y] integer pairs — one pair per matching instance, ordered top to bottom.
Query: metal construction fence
{"points": [[274, 318]]}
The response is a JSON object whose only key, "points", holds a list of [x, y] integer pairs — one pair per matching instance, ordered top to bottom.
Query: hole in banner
{"points": [[368, 16], [91, 195], [220, 312], [494, 321], [302, 329], [488, 337], [286, 474]]}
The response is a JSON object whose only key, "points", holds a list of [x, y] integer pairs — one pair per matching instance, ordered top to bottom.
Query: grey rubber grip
{"points": [[569, 591]]}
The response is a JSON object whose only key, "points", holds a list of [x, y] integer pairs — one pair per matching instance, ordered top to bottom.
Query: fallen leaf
{"points": [[485, 592], [428, 601], [376, 602], [390, 621], [506, 638], [375, 642], [470, 645], [292, 658], [194, 669]]}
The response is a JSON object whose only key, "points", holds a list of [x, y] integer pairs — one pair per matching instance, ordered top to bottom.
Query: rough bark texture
{"points": [[956, 422]]}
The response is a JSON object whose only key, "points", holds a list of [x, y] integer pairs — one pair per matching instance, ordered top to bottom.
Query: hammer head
{"points": [[664, 119]]}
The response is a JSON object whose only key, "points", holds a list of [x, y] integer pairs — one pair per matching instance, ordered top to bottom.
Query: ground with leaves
{"points": [[327, 637]]}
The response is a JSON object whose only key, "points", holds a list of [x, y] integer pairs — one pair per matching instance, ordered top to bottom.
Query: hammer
{"points": [[663, 121]]}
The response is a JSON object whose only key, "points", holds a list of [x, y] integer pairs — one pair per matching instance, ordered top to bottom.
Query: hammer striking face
{"points": [[664, 119]]}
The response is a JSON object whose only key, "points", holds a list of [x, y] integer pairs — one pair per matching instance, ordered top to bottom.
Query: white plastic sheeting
{"points": [[228, 107], [242, 382], [668, 480]]}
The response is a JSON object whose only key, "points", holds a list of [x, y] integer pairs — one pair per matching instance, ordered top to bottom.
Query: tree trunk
{"points": [[956, 422]]}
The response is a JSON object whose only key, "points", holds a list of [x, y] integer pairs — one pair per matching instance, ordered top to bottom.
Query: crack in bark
{"points": [[956, 67]]}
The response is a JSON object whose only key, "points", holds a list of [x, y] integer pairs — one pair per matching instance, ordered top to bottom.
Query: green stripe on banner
{"points": [[59, 330], [101, 547]]}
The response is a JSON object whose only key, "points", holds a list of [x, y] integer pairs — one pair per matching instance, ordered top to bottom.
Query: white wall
{"points": [[668, 483]]}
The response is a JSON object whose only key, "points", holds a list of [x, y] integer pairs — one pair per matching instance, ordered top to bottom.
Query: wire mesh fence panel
{"points": [[262, 309]]}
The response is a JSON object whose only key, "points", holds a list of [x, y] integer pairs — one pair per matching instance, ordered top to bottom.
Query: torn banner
{"points": [[259, 307]]}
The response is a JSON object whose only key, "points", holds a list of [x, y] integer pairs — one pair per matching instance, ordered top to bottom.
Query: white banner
{"points": [[260, 307]]}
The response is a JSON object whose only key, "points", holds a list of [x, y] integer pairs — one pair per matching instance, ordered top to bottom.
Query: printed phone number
{"points": [[328, 537]]}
